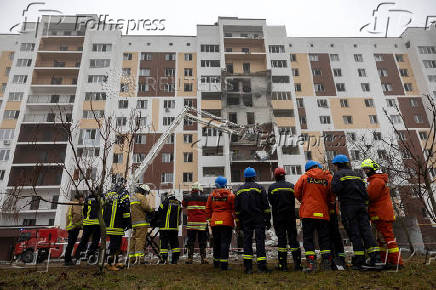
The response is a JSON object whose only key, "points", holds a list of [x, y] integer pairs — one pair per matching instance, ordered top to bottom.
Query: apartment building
{"points": [[328, 91]]}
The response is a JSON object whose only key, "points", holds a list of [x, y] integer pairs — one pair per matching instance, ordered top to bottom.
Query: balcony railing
{"points": [[52, 99], [35, 118]]}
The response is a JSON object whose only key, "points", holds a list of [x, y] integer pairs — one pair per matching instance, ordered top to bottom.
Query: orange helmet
{"points": [[279, 171]]}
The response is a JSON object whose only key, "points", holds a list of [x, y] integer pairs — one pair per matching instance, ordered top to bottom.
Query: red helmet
{"points": [[279, 171]]}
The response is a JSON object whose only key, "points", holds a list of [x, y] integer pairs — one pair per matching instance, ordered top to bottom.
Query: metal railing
{"points": [[53, 99]]}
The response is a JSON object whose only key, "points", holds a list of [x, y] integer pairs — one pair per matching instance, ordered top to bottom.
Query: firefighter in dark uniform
{"points": [[353, 199], [282, 200], [195, 205], [169, 213], [116, 215], [253, 215], [91, 226]]}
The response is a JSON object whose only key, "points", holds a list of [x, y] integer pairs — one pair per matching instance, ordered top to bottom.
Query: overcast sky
{"points": [[301, 18]]}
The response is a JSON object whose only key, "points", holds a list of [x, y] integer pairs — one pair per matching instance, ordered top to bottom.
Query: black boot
{"points": [[190, 254], [203, 255], [296, 256], [175, 258], [164, 259], [326, 262], [357, 262], [375, 262], [216, 263], [283, 265], [224, 266], [248, 266], [261, 267]]}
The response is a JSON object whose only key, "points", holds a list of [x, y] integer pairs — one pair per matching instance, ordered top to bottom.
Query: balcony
{"points": [[61, 44], [55, 62], [41, 101], [47, 118], [43, 133], [39, 153], [264, 171], [47, 176]]}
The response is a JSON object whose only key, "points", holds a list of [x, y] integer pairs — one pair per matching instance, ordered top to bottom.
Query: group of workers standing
{"points": [[249, 209]]}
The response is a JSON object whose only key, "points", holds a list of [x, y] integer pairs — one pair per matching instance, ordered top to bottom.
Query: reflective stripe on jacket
{"points": [[282, 200], [380, 202], [251, 204], [195, 205], [139, 206], [221, 207], [90, 211], [117, 212], [169, 214], [74, 216]]}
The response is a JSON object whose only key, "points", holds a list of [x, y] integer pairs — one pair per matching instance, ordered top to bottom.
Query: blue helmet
{"points": [[340, 159], [310, 164], [249, 172], [220, 182]]}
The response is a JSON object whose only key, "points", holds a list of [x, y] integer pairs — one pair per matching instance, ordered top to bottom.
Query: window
{"points": [[27, 46], [101, 47], [209, 48], [276, 48], [427, 49], [127, 56], [145, 56], [170, 56], [188, 56], [293, 57], [313, 57], [334, 57], [378, 57], [399, 57], [358, 58], [24, 62], [99, 63], [210, 63], [279, 63], [429, 63], [126, 72], [144, 72], [170, 72], [188, 72], [295, 72], [316, 72], [337, 72], [361, 72], [382, 72], [404, 72], [432, 78], [19, 79], [97, 79], [210, 79], [280, 79], [124, 87], [142, 87], [168, 87], [187, 87], [297, 87], [340, 87], [386, 87], [3, 88], [319, 88], [281, 95], [15, 96], [95, 96], [369, 102], [390, 102], [413, 102], [189, 103], [300, 103], [322, 103], [344, 103], [123, 104], [141, 104], [169, 104], [283, 113], [11, 114], [90, 114], [250, 118], [324, 119], [347, 119], [373, 119], [396, 119], [418, 119], [121, 121], [141, 121], [167, 121], [209, 132], [6, 134], [423, 135], [351, 136], [377, 136], [89, 137], [187, 138], [140, 139], [170, 139], [88, 152], [4, 154], [355, 155], [187, 156], [138, 157], [167, 157], [118, 158], [292, 169], [213, 171], [2, 174], [187, 176], [166, 178], [29, 222]]}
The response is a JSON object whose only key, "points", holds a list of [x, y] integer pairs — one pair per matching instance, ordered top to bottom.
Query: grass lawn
{"points": [[416, 275]]}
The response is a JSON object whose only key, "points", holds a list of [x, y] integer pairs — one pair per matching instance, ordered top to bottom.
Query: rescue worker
{"points": [[313, 191], [353, 199], [282, 200], [195, 205], [140, 207], [221, 211], [381, 212], [116, 215], [169, 215], [254, 215], [74, 224], [91, 226]]}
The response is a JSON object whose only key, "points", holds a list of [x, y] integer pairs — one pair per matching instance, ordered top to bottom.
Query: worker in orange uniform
{"points": [[313, 191], [221, 211], [381, 212]]}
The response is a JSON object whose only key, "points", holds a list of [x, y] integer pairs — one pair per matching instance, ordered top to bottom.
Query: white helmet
{"points": [[196, 186], [143, 188]]}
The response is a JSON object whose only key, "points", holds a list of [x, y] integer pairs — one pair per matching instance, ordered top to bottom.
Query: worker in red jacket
{"points": [[313, 191], [195, 206], [221, 211], [381, 212]]}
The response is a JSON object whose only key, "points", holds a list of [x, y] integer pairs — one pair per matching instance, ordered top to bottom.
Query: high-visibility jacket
{"points": [[349, 188], [313, 191], [282, 200], [380, 203], [195, 205], [251, 205], [139, 207], [221, 207], [90, 211], [116, 212], [169, 214], [74, 216]]}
